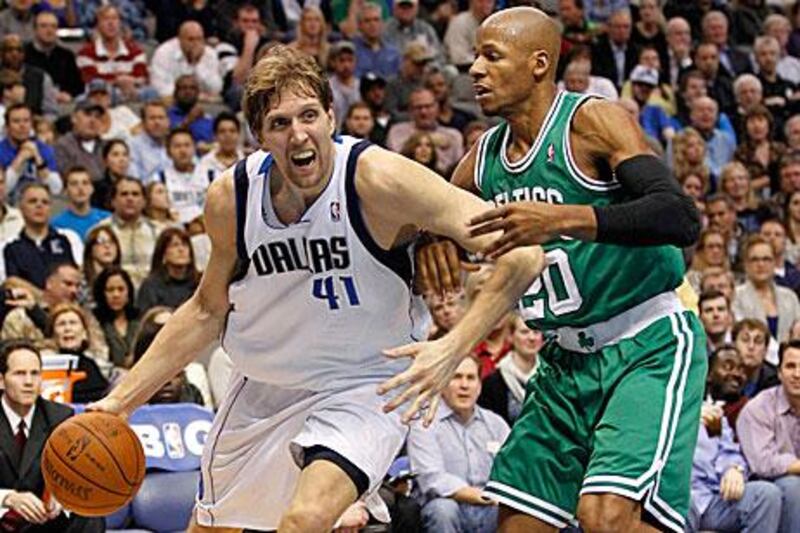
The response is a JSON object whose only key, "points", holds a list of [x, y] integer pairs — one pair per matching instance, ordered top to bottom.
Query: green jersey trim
{"points": [[480, 158], [523, 164], [577, 174]]}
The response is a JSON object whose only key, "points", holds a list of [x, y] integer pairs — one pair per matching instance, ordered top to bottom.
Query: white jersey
{"points": [[186, 190], [319, 299]]}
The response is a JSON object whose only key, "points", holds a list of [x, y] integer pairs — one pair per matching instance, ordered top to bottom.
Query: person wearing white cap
{"points": [[652, 118]]}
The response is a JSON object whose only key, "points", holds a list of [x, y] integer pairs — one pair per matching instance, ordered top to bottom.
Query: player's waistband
{"points": [[623, 326]]}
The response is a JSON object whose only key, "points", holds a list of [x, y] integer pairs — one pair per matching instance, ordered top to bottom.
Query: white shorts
{"points": [[251, 459]]}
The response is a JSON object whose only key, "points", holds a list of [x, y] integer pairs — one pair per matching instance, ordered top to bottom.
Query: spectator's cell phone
{"points": [[173, 440]]}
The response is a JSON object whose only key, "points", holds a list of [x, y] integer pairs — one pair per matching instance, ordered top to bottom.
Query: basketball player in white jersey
{"points": [[308, 281]]}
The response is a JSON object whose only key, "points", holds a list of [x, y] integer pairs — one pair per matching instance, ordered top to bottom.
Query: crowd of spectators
{"points": [[116, 115]]}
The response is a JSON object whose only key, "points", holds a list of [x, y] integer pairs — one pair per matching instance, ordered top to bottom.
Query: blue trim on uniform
{"points": [[265, 164], [162, 177], [241, 184], [397, 259]]}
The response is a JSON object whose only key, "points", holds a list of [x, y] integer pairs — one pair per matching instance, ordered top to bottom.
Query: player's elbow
{"points": [[690, 224], [524, 263]]}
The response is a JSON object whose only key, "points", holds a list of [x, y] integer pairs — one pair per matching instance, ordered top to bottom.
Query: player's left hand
{"points": [[522, 224], [433, 367], [731, 488], [353, 519]]}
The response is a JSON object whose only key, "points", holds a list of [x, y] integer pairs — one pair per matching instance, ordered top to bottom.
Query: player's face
{"points": [[497, 73], [298, 133], [69, 331], [752, 345], [789, 372], [23, 378], [461, 394]]}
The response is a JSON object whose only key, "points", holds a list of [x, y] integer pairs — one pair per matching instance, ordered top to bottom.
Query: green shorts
{"points": [[621, 420]]}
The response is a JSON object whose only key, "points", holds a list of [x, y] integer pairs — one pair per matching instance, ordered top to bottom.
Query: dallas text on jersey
{"points": [[314, 255]]}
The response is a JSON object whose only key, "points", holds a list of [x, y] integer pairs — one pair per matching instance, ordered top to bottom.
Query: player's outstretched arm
{"points": [[398, 195], [658, 212], [196, 323]]}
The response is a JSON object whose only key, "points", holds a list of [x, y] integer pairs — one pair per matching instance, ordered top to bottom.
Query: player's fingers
{"points": [[486, 216], [488, 227], [501, 246], [453, 265], [470, 267], [443, 268], [422, 269], [434, 277], [406, 350], [397, 381], [400, 399], [416, 406], [431, 414]]}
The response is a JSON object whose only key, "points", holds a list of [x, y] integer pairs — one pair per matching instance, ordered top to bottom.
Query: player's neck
{"points": [[528, 118], [291, 201]]}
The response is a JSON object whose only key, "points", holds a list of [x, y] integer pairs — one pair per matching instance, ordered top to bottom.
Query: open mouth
{"points": [[480, 90], [304, 158]]}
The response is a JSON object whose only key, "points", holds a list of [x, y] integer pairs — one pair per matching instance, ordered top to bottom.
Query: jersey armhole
{"points": [[480, 158], [241, 187], [397, 259]]}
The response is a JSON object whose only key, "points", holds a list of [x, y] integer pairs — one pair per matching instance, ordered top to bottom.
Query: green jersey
{"points": [[584, 282]]}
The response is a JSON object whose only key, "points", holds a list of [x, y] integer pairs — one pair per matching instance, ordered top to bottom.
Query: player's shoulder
{"points": [[599, 113]]}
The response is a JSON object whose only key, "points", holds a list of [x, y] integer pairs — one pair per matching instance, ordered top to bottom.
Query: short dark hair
{"points": [[152, 103], [16, 107], [229, 117], [174, 132], [111, 144], [77, 169], [123, 179], [33, 185], [53, 269], [711, 295], [104, 313], [751, 323], [793, 344], [11, 346], [715, 354]]}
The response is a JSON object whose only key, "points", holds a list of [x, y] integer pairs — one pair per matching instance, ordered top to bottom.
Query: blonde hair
{"points": [[281, 69], [679, 163], [727, 174]]}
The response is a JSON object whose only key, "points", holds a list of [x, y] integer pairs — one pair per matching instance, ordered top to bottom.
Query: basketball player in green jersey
{"points": [[608, 428]]}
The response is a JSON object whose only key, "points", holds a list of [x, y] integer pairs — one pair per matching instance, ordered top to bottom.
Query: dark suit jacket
{"points": [[740, 61], [603, 63], [494, 396], [24, 473]]}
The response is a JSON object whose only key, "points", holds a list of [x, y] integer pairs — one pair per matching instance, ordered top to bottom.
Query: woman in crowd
{"points": [[649, 30], [312, 35], [421, 149], [759, 152], [689, 154], [117, 160], [735, 182], [695, 184], [158, 206], [791, 220], [101, 251], [710, 252], [173, 276], [114, 296], [760, 297], [69, 331], [503, 390]]}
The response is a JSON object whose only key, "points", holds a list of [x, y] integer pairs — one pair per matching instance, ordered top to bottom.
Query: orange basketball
{"points": [[93, 464]]}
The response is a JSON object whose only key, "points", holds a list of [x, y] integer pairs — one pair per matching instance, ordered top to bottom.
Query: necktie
{"points": [[19, 438]]}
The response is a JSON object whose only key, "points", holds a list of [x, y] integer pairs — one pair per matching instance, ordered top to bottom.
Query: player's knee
{"points": [[606, 513], [441, 514], [306, 518]]}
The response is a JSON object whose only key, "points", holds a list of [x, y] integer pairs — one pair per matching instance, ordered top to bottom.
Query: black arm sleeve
{"points": [[658, 213]]}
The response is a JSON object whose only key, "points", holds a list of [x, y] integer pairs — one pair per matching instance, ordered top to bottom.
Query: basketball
{"points": [[93, 464]]}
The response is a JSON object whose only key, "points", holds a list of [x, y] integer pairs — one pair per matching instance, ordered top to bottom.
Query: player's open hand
{"points": [[522, 224], [439, 267], [433, 367], [110, 405]]}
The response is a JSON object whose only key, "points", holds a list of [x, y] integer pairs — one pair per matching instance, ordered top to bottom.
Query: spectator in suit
{"points": [[406, 26], [779, 27], [715, 30], [459, 40], [679, 49], [373, 52], [187, 54], [614, 55], [113, 58], [59, 62], [719, 84], [748, 92], [188, 112], [424, 117], [82, 146], [148, 151], [25, 158], [721, 213], [79, 216], [39, 246], [786, 273], [173, 275], [759, 296], [717, 318], [753, 341], [503, 391], [26, 421], [769, 433], [453, 457], [722, 496]]}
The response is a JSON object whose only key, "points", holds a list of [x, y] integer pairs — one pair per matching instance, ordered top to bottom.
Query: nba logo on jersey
{"points": [[551, 153], [336, 214]]}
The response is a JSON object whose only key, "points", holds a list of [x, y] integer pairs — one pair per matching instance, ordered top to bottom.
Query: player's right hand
{"points": [[439, 267], [110, 405], [28, 505]]}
